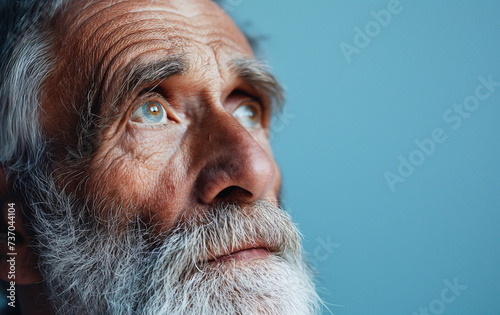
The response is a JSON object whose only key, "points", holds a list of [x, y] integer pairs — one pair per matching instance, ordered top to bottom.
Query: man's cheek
{"points": [[127, 172]]}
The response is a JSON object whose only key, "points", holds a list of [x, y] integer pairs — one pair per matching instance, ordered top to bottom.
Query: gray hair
{"points": [[24, 64]]}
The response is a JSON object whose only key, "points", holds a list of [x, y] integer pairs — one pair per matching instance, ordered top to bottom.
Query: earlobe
{"points": [[17, 260]]}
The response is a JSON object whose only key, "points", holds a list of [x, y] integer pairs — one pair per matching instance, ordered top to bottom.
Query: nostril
{"points": [[225, 192], [232, 193]]}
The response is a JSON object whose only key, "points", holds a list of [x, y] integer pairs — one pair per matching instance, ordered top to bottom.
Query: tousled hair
{"points": [[24, 64]]}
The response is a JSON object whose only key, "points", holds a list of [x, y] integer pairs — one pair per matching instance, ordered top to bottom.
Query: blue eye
{"points": [[150, 113], [247, 115]]}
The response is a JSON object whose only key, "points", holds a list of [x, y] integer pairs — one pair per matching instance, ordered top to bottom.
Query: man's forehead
{"points": [[183, 19], [107, 35], [114, 36], [98, 40]]}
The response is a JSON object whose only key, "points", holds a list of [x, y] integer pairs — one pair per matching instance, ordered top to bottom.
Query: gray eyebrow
{"points": [[251, 71], [256, 74], [141, 76]]}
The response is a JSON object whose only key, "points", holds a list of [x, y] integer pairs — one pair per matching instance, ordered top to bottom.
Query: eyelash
{"points": [[147, 95], [264, 111]]}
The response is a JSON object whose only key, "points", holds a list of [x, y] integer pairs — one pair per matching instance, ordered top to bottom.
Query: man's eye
{"points": [[150, 113], [247, 115]]}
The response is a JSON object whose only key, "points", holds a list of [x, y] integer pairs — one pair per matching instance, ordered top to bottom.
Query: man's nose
{"points": [[235, 166]]}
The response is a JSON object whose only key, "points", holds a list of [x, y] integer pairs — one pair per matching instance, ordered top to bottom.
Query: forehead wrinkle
{"points": [[98, 10], [101, 16], [84, 19], [169, 25], [121, 26], [197, 26], [128, 30], [102, 33], [129, 34], [213, 34], [129, 38], [216, 43]]}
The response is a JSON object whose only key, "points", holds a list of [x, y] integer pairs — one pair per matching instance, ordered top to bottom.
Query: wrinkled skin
{"points": [[210, 144], [202, 150]]}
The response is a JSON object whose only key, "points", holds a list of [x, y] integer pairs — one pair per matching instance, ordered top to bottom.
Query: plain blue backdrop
{"points": [[392, 228]]}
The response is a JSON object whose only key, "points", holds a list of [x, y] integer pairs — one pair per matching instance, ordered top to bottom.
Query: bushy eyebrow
{"points": [[257, 75], [141, 76]]}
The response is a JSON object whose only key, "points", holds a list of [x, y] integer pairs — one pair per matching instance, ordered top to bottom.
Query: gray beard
{"points": [[115, 266]]}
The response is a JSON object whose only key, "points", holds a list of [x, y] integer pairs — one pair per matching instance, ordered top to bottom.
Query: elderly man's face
{"points": [[178, 126], [161, 194]]}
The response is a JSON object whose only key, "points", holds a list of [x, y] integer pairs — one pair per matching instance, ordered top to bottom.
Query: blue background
{"points": [[380, 251]]}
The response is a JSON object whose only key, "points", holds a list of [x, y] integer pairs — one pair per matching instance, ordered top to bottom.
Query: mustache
{"points": [[226, 228]]}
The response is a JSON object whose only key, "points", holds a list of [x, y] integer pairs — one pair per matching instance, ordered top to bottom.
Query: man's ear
{"points": [[17, 260]]}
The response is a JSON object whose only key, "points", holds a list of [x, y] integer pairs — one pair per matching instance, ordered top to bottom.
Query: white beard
{"points": [[96, 267]]}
